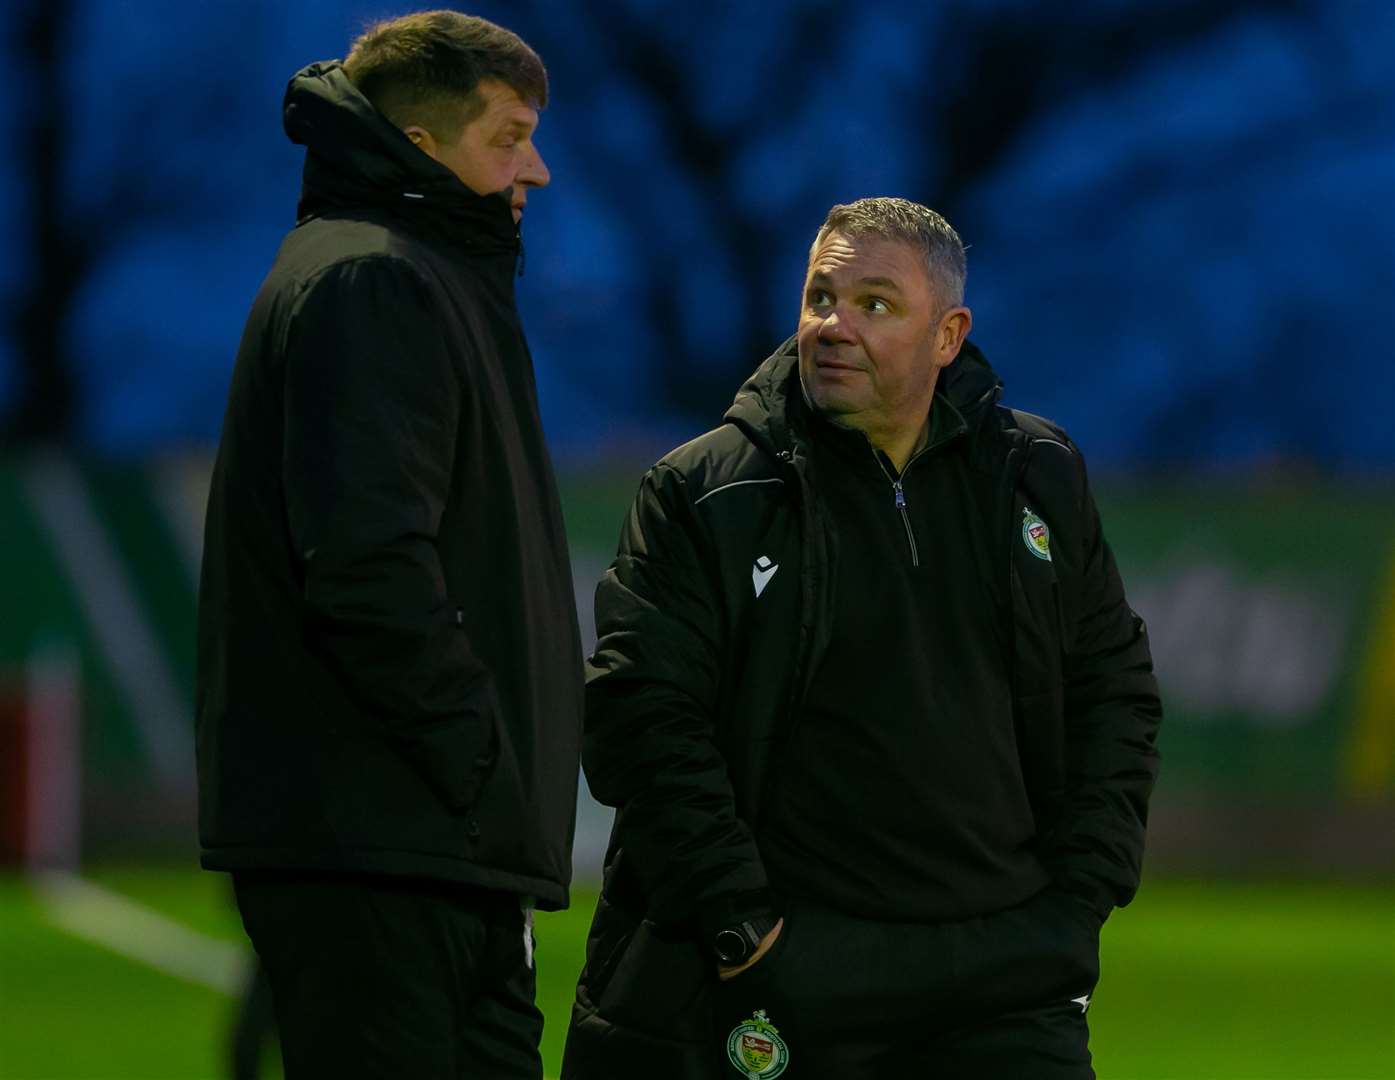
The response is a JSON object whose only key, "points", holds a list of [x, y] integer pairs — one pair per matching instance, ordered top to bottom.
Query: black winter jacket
{"points": [[389, 671], [695, 684]]}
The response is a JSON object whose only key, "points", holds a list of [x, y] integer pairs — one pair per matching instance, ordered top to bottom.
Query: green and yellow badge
{"points": [[1036, 535], [756, 1050]]}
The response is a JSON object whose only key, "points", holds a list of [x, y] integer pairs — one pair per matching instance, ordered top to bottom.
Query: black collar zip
{"points": [[944, 428], [899, 495]]}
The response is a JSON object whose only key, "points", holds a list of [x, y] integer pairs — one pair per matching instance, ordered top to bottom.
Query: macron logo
{"points": [[762, 572]]}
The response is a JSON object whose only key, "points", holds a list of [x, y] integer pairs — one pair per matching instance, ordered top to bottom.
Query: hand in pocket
{"points": [[1032, 955]]}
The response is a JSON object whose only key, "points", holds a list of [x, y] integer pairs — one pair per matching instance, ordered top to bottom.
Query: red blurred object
{"points": [[40, 765]]}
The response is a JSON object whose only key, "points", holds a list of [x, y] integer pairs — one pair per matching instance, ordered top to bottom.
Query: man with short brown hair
{"points": [[389, 664], [875, 715]]}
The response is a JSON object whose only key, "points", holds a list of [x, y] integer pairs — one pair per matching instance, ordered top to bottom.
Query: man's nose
{"points": [[535, 172], [834, 330]]}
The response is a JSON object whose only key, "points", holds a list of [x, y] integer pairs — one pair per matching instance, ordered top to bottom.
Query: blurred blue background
{"points": [[1181, 213], [1181, 219]]}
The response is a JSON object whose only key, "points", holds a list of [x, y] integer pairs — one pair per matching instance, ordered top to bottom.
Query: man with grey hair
{"points": [[875, 715]]}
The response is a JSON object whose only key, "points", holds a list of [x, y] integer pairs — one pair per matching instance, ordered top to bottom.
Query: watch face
{"points": [[731, 947]]}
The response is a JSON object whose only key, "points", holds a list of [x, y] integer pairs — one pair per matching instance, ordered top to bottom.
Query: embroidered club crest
{"points": [[1036, 535], [756, 1050]]}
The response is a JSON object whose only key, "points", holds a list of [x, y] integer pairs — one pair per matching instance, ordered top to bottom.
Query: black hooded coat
{"points": [[389, 669], [697, 681]]}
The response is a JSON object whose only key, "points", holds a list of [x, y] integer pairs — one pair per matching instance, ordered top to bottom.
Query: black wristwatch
{"points": [[736, 943]]}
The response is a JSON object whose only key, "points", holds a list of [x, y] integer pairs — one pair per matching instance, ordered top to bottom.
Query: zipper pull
{"points": [[900, 495]]}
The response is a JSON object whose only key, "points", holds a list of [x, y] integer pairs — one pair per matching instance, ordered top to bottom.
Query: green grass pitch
{"points": [[1201, 981]]}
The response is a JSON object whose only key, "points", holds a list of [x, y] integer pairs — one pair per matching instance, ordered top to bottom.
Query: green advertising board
{"points": [[1271, 616]]}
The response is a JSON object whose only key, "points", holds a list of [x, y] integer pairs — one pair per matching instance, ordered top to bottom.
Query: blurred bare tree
{"points": [[985, 74], [115, 143], [698, 149], [57, 259]]}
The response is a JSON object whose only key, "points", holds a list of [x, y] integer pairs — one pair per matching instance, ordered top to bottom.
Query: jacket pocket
{"points": [[1038, 626], [1039, 723], [457, 755], [474, 764], [611, 932], [1042, 952], [660, 985], [598, 1049]]}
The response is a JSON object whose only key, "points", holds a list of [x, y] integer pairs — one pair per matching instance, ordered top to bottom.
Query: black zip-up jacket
{"points": [[389, 672], [696, 681]]}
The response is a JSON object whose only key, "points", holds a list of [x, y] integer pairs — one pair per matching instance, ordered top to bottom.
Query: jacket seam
{"points": [[738, 483]]}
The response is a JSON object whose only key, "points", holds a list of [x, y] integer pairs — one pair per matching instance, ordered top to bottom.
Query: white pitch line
{"points": [[104, 590], [131, 930]]}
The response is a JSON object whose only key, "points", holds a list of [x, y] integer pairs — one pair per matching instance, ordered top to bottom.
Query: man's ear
{"points": [[422, 139], [950, 334]]}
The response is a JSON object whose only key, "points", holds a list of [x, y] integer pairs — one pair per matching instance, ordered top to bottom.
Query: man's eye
{"points": [[819, 298], [877, 305]]}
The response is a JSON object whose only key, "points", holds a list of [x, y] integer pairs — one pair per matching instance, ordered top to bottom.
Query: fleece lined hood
{"points": [[357, 158]]}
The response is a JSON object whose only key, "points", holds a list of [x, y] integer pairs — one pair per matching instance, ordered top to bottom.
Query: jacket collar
{"points": [[356, 159], [771, 409]]}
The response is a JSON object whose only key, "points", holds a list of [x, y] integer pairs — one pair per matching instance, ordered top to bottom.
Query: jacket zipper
{"points": [[1013, 470], [899, 496], [798, 687]]}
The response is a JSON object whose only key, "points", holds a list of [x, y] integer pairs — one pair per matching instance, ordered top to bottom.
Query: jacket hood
{"points": [[356, 158], [770, 408]]}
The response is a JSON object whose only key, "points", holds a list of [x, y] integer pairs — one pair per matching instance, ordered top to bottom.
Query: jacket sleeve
{"points": [[371, 404], [1112, 713], [650, 745]]}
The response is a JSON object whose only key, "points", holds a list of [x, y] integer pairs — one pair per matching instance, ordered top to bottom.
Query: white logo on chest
{"points": [[762, 572]]}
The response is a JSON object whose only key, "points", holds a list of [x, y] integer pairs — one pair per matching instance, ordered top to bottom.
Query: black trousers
{"points": [[388, 977], [998, 998]]}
